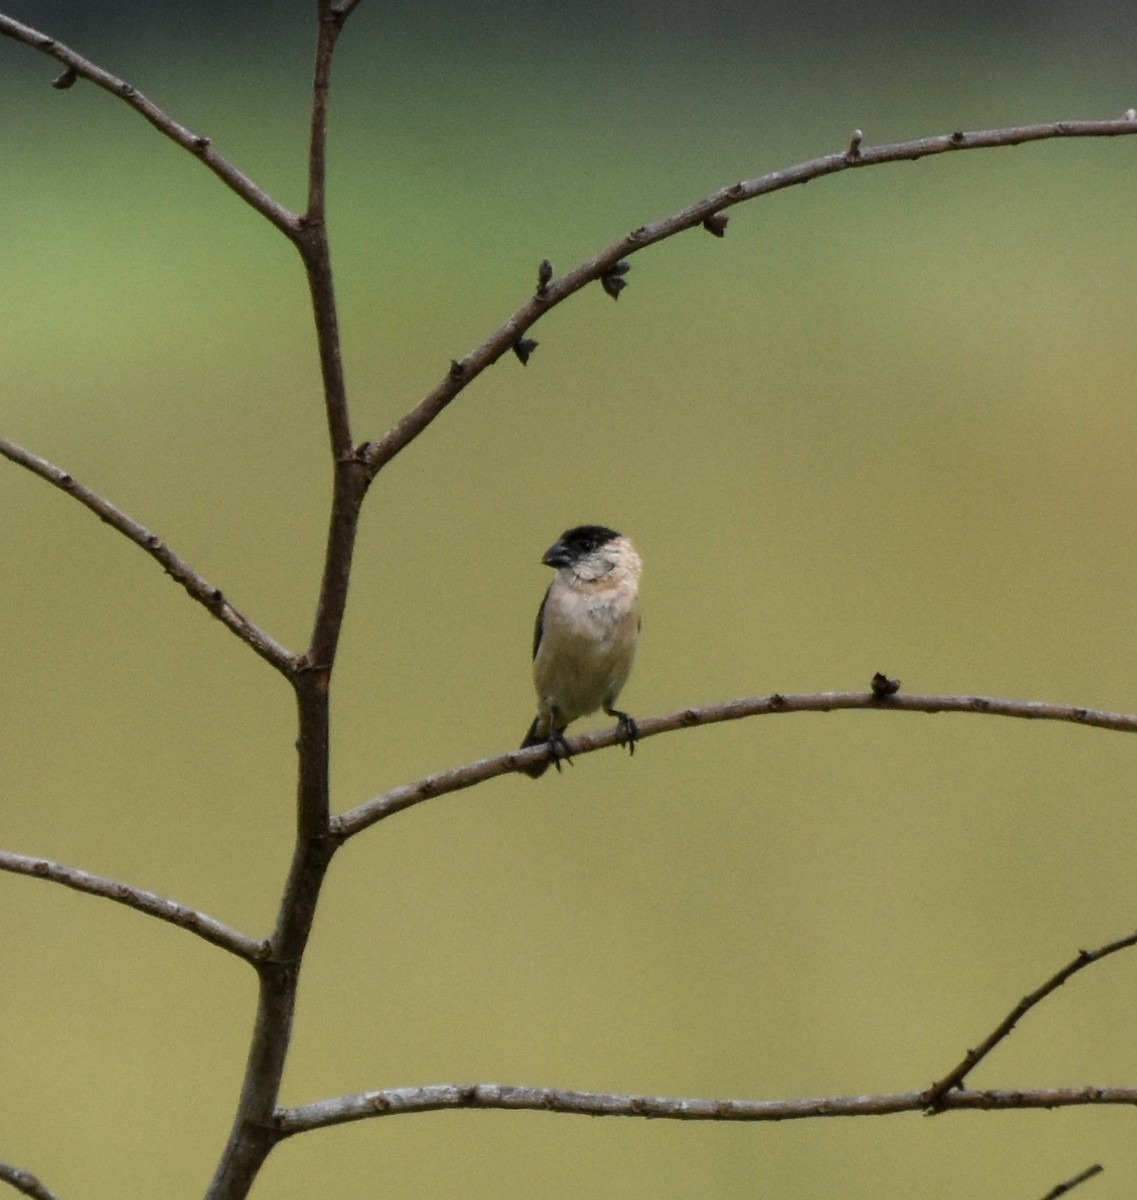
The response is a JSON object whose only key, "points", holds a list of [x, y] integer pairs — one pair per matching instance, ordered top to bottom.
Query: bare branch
{"points": [[344, 9], [200, 147], [313, 242], [379, 453], [202, 591], [352, 822], [152, 905], [937, 1094], [396, 1101], [252, 1136], [26, 1182], [1070, 1184]]}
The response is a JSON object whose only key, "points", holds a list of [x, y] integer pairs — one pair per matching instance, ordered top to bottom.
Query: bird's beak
{"points": [[557, 555]]}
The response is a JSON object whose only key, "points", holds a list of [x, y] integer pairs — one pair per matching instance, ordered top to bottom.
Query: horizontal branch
{"points": [[200, 147], [609, 266], [200, 589], [357, 819], [152, 905], [937, 1093], [431, 1098], [26, 1182]]}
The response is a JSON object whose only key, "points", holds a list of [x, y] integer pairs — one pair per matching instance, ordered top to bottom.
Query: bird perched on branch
{"points": [[585, 637]]}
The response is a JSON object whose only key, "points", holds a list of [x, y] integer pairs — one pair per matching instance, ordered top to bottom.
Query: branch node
{"points": [[65, 80], [127, 90], [1131, 114], [959, 138], [200, 142], [853, 153], [716, 224], [544, 276], [612, 280], [523, 347], [457, 369], [883, 687]]}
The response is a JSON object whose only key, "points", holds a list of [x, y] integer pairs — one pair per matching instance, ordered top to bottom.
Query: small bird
{"points": [[585, 637]]}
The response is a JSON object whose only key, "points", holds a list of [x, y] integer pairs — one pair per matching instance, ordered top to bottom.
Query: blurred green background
{"points": [[886, 424]]}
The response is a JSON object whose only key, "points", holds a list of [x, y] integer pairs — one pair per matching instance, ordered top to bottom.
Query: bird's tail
{"points": [[535, 738]]}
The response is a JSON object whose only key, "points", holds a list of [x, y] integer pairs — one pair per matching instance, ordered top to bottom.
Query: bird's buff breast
{"points": [[592, 641]]}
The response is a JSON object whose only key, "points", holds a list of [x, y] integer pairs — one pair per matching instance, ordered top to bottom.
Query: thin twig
{"points": [[200, 147], [463, 371], [200, 589], [348, 824], [150, 903], [937, 1095], [397, 1101], [26, 1182], [1070, 1184]]}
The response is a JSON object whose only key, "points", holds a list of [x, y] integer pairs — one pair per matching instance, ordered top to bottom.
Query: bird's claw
{"points": [[629, 731], [559, 750]]}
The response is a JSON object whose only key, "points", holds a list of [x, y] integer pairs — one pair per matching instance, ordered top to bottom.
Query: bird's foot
{"points": [[629, 731], [559, 750]]}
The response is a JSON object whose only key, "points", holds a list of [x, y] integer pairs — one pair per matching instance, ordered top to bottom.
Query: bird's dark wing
{"points": [[539, 622]]}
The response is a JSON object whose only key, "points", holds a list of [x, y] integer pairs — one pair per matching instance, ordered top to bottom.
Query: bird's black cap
{"points": [[577, 543]]}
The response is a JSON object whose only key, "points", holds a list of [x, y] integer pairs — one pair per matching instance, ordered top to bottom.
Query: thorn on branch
{"points": [[67, 79], [854, 150], [716, 224], [544, 275], [612, 280], [523, 347], [457, 369], [882, 686]]}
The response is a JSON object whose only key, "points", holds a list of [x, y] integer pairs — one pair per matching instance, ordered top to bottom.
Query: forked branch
{"points": [[937, 1095], [394, 1101]]}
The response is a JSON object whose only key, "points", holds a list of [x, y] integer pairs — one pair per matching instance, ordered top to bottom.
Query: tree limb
{"points": [[200, 147], [611, 261], [200, 589], [348, 824], [150, 903], [937, 1094], [432, 1097], [252, 1136], [26, 1182]]}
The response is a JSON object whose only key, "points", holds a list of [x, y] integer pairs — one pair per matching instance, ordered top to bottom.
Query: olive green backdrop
{"points": [[886, 424]]}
